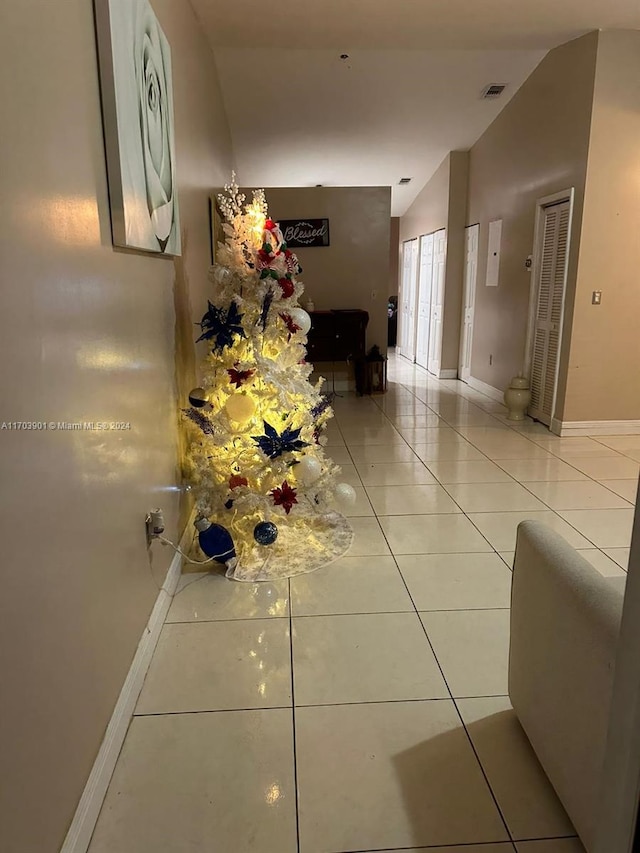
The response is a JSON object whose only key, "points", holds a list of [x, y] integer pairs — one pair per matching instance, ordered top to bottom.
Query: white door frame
{"points": [[541, 204], [465, 295], [407, 333]]}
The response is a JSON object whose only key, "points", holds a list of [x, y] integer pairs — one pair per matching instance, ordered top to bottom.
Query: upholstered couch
{"points": [[565, 622]]}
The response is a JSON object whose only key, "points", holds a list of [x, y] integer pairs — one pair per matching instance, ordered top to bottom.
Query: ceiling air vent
{"points": [[493, 91], [404, 181]]}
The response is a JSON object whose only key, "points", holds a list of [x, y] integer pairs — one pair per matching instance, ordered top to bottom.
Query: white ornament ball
{"points": [[301, 319], [240, 407], [308, 469], [345, 495]]}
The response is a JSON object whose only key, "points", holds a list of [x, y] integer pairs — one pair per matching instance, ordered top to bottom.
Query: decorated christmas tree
{"points": [[266, 492]]}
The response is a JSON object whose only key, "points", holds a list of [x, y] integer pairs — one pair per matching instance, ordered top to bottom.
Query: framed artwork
{"points": [[137, 110]]}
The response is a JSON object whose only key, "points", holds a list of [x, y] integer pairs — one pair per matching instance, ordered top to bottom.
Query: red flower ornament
{"points": [[237, 377], [236, 480], [285, 496]]}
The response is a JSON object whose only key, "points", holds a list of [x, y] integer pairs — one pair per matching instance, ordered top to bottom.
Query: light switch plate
{"points": [[596, 297]]}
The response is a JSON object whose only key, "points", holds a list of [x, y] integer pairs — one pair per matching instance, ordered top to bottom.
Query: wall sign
{"points": [[301, 233]]}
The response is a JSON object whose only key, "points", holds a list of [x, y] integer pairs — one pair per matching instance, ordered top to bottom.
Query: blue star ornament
{"points": [[220, 326], [273, 445]]}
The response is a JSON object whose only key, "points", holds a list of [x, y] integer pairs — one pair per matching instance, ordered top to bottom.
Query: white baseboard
{"points": [[449, 373], [486, 389], [578, 428], [86, 816]]}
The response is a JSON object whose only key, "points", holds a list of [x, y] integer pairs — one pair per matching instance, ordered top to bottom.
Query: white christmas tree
{"points": [[265, 489]]}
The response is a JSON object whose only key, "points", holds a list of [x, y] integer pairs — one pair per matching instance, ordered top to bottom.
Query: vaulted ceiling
{"points": [[408, 92]]}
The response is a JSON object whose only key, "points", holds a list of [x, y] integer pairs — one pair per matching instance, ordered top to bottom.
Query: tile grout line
{"points": [[446, 683], [293, 719]]}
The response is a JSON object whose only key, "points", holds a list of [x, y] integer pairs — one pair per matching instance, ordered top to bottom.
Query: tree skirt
{"points": [[315, 540]]}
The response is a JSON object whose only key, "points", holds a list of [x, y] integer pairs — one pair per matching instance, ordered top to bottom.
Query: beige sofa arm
{"points": [[565, 622]]}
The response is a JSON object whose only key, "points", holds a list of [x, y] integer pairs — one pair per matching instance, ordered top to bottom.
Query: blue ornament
{"points": [[220, 326], [274, 445], [265, 533], [215, 540]]}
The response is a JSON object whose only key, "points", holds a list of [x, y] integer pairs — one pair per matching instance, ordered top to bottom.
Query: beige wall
{"points": [[537, 146], [430, 209], [394, 256], [344, 274], [87, 333], [604, 362]]}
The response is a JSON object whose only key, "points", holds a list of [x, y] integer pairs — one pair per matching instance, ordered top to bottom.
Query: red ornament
{"points": [[269, 224], [287, 287], [291, 326], [237, 377], [235, 481], [285, 497]]}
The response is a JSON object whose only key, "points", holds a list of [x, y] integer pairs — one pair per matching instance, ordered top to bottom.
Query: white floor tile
{"points": [[419, 421], [371, 435], [430, 435], [621, 443], [579, 446], [459, 451], [383, 453], [339, 454], [633, 454], [608, 468], [547, 470], [479, 471], [349, 474], [395, 474], [627, 489], [576, 495], [494, 497], [410, 500], [361, 507], [500, 528], [606, 528], [432, 534], [368, 540], [620, 555], [508, 557], [604, 564], [457, 581], [351, 585], [211, 597], [472, 647], [365, 658], [213, 666], [390, 776], [169, 793], [525, 795], [551, 845], [468, 848]]}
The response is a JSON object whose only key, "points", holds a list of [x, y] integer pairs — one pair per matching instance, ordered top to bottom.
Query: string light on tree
{"points": [[256, 458]]}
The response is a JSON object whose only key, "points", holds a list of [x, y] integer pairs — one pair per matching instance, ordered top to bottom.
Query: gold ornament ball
{"points": [[198, 397], [240, 407]]}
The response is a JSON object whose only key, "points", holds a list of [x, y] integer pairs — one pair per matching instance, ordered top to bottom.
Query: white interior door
{"points": [[551, 275], [425, 276], [408, 297], [469, 299], [437, 301]]}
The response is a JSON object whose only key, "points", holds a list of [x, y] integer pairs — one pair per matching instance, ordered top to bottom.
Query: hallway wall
{"points": [[537, 146], [344, 274], [87, 333], [602, 382]]}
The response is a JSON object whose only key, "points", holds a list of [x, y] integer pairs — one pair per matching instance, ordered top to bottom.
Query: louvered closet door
{"points": [[549, 311]]}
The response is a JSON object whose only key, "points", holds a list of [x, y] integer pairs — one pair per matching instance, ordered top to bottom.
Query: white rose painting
{"points": [[137, 105]]}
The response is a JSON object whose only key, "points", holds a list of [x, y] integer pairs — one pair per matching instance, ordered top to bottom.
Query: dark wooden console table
{"points": [[337, 335]]}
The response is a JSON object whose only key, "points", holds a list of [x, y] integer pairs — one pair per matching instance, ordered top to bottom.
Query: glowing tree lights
{"points": [[256, 460]]}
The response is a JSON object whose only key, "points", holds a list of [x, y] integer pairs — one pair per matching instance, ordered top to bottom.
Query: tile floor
{"points": [[364, 707]]}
